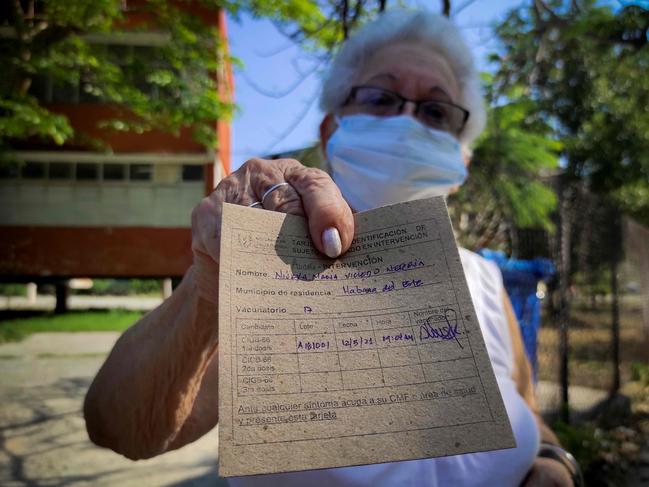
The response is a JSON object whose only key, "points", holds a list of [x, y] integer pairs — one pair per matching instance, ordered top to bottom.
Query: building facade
{"points": [[66, 212]]}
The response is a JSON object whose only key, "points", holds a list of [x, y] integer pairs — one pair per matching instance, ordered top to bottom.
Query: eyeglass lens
{"points": [[432, 113]]}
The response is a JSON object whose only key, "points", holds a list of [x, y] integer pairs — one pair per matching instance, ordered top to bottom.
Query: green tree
{"points": [[77, 46], [586, 67], [505, 189]]}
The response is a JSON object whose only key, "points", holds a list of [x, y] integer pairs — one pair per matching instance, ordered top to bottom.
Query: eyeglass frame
{"points": [[403, 99]]}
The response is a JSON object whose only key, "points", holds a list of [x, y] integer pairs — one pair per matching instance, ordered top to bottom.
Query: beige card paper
{"points": [[373, 357]]}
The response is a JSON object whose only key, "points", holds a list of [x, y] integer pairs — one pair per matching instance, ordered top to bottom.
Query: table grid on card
{"points": [[322, 354]]}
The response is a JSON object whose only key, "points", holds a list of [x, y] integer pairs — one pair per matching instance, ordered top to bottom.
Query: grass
{"points": [[16, 327]]}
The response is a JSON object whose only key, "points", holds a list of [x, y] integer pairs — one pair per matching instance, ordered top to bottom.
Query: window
{"points": [[139, 64], [41, 88], [83, 90], [89, 91], [64, 92], [33, 170], [61, 170], [8, 171], [87, 171], [114, 172], [140, 172], [193, 172]]}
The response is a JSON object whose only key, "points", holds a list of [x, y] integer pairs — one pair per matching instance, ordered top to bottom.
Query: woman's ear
{"points": [[327, 127]]}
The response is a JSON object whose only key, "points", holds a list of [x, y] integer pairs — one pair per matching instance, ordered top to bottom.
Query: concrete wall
{"points": [[164, 200], [102, 204], [81, 221]]}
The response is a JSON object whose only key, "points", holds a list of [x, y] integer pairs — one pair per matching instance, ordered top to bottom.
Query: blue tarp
{"points": [[521, 278]]}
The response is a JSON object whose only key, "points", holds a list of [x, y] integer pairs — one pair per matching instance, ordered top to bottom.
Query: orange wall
{"points": [[137, 14], [226, 90], [87, 117], [94, 251]]}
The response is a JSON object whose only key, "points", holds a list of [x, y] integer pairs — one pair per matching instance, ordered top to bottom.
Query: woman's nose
{"points": [[409, 108]]}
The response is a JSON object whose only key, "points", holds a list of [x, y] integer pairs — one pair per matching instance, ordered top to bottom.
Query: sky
{"points": [[278, 87]]}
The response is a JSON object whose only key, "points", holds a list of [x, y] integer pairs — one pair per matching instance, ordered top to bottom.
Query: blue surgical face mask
{"points": [[377, 161]]}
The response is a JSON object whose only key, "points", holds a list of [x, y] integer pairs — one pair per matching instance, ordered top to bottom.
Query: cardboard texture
{"points": [[373, 357]]}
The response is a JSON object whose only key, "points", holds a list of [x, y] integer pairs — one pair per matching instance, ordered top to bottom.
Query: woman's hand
{"points": [[310, 192], [162, 375], [546, 472]]}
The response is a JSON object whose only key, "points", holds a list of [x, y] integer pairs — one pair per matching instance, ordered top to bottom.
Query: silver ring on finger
{"points": [[271, 189], [256, 204]]}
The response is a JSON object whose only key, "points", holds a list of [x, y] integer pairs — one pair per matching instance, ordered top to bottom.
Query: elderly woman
{"points": [[403, 104]]}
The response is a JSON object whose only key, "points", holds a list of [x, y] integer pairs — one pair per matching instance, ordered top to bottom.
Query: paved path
{"points": [[47, 303], [582, 399], [43, 441]]}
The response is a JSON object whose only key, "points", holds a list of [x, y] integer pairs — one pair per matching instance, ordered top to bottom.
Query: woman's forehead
{"points": [[414, 70]]}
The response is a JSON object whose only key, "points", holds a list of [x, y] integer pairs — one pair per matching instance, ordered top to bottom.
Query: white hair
{"points": [[405, 25]]}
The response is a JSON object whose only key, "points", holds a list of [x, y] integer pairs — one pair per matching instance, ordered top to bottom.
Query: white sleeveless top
{"points": [[502, 468]]}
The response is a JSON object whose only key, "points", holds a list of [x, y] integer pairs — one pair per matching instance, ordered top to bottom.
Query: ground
{"points": [[44, 379], [43, 441], [613, 448]]}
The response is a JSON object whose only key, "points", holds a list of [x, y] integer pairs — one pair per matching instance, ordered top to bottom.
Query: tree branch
{"points": [[540, 4], [463, 6], [574, 6], [18, 8], [446, 8], [30, 10], [357, 11], [300, 35], [274, 51], [281, 94], [294, 124]]}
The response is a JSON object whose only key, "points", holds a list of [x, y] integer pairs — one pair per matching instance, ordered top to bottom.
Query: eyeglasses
{"points": [[440, 115]]}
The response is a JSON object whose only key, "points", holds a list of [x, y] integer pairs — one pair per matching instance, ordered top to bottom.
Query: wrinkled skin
{"points": [[311, 193]]}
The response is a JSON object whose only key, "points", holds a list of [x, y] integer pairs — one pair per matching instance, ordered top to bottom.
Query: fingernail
{"points": [[331, 242]]}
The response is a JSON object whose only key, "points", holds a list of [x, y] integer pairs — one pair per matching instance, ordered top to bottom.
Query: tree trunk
{"points": [[446, 8], [344, 17], [565, 237], [636, 238], [615, 250], [61, 297]]}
